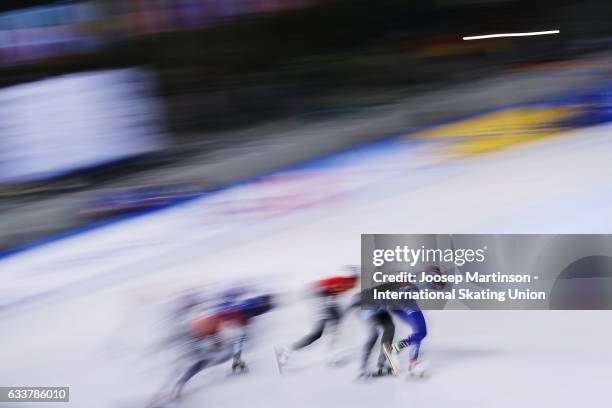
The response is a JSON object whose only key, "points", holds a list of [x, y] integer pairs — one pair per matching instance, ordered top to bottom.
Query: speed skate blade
{"points": [[277, 357], [391, 359]]}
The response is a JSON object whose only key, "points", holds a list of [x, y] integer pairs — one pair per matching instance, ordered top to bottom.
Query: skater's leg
{"points": [[332, 318], [416, 321], [386, 322], [418, 326], [419, 331], [242, 338], [310, 338], [369, 345], [414, 350], [206, 359], [238, 363], [191, 372]]}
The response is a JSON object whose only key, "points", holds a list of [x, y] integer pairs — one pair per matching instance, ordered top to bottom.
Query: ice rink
{"points": [[81, 312]]}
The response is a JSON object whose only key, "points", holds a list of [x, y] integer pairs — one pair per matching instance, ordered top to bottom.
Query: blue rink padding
{"points": [[603, 103], [598, 110]]}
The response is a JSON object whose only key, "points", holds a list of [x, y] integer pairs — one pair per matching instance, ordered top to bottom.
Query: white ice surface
{"points": [[94, 337]]}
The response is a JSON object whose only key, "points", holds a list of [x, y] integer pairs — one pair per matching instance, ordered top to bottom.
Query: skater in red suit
{"points": [[326, 291]]}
